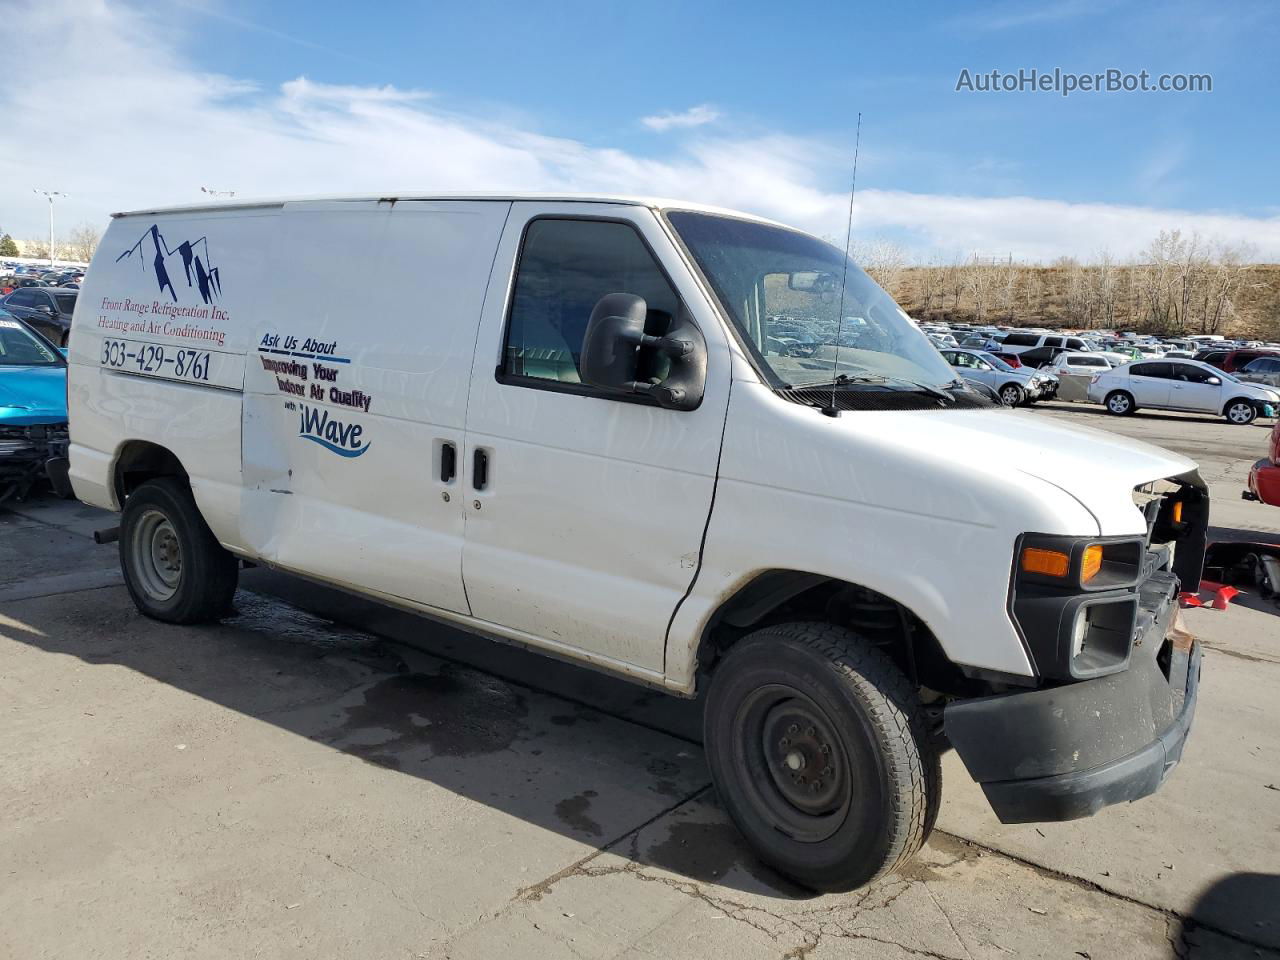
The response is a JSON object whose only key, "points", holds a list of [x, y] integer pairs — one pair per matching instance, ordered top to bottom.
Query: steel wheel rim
{"points": [[1009, 396], [1118, 404], [1240, 413], [156, 556], [792, 782]]}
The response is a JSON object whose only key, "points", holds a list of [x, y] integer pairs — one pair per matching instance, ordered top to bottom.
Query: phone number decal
{"points": [[169, 362]]}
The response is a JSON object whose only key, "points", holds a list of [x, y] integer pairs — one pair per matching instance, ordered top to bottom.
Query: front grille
{"points": [[24, 451]]}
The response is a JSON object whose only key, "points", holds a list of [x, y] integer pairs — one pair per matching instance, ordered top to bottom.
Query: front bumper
{"points": [[29, 454], [1065, 752]]}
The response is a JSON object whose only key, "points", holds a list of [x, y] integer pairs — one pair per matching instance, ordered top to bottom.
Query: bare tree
{"points": [[82, 242], [39, 249], [884, 260], [1228, 273], [981, 282], [1005, 282], [1105, 288]]}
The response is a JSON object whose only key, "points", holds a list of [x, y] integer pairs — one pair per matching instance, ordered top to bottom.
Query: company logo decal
{"points": [[196, 265], [344, 439]]}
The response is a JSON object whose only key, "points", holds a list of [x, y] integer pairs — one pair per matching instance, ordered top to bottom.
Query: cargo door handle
{"points": [[448, 462], [480, 470]]}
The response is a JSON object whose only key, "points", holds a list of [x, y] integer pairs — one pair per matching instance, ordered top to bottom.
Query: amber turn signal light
{"points": [[1049, 563], [1091, 564]]}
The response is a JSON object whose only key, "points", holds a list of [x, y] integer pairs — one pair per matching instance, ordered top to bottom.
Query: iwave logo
{"points": [[331, 433]]}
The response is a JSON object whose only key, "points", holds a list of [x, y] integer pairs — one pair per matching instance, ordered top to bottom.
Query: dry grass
{"points": [[1041, 301]]}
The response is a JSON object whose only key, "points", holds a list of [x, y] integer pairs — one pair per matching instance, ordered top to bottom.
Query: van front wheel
{"points": [[173, 566], [818, 749]]}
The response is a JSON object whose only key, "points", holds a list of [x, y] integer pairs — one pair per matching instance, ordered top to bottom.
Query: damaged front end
{"points": [[31, 454], [1118, 674]]}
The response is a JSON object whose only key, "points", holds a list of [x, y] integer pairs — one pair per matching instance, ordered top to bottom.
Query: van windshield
{"points": [[782, 290]]}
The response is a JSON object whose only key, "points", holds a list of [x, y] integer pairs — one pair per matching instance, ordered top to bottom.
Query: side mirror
{"points": [[44, 308], [612, 350], [1214, 381]]}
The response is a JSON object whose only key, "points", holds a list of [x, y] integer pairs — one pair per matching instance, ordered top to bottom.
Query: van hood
{"points": [[33, 395], [1097, 469]]}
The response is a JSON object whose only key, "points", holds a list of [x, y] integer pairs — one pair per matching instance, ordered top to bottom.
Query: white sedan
{"points": [[1080, 363], [1181, 385]]}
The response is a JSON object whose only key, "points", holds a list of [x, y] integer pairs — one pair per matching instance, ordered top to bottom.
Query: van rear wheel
{"points": [[173, 566], [818, 749]]}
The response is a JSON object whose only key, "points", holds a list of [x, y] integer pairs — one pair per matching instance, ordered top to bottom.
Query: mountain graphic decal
{"points": [[196, 265]]}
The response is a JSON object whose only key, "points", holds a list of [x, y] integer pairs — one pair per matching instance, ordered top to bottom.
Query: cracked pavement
{"points": [[322, 776]]}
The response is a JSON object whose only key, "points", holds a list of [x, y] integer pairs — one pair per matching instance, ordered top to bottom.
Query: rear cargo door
{"points": [[356, 393]]}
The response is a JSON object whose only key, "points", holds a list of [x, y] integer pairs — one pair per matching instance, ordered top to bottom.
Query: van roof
{"points": [[657, 203]]}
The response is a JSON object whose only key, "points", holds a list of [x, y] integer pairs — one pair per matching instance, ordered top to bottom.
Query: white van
{"points": [[565, 423]]}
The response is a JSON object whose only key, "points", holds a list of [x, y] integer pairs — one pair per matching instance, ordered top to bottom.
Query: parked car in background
{"points": [[12, 282], [48, 309], [1017, 342], [1041, 356], [1214, 356], [1231, 358], [1012, 359], [1236, 359], [1082, 363], [1264, 370], [1181, 385], [1014, 387], [33, 410], [1264, 475]]}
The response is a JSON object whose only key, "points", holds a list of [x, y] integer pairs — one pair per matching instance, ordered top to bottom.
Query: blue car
{"points": [[33, 411]]}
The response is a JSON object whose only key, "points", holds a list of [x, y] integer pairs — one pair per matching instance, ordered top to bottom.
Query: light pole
{"points": [[49, 195]]}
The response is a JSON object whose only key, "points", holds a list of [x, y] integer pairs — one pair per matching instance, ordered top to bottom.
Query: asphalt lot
{"points": [[320, 776]]}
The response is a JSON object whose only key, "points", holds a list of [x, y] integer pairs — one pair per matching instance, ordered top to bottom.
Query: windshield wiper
{"points": [[844, 378]]}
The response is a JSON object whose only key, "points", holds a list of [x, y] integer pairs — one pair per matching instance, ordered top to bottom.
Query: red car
{"points": [[1010, 358], [1233, 360], [1264, 476]]}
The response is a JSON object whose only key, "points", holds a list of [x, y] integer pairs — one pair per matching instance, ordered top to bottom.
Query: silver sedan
{"points": [[1014, 387]]}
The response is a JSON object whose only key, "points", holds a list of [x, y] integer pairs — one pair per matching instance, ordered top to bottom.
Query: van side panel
{"points": [[157, 351], [353, 386]]}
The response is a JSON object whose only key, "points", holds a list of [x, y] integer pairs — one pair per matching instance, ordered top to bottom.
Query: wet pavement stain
{"points": [[278, 621], [455, 713], [664, 773], [572, 812], [707, 851]]}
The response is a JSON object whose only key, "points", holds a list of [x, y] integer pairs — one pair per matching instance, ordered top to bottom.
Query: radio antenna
{"points": [[832, 411]]}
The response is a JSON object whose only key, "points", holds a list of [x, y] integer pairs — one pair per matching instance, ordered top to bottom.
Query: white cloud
{"points": [[693, 117], [150, 129]]}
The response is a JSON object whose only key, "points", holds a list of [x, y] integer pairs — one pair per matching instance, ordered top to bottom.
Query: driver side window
{"points": [[566, 266]]}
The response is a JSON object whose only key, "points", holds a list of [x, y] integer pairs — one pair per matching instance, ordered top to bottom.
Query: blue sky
{"points": [[487, 95]]}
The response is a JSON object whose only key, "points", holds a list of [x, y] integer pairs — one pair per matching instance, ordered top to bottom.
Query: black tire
{"points": [[1012, 395], [1120, 403], [1240, 411], [173, 566], [847, 705]]}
